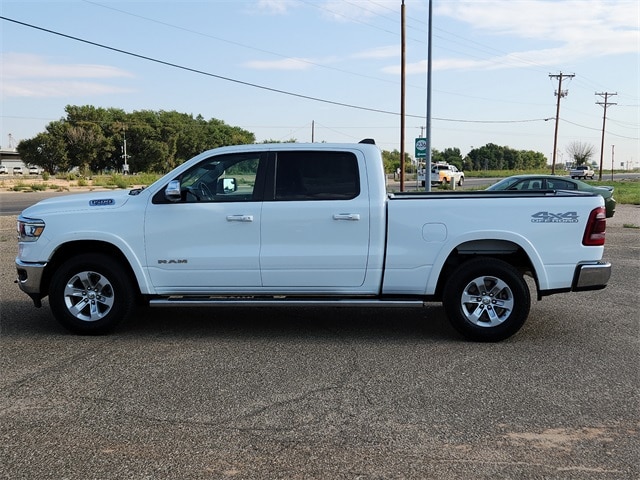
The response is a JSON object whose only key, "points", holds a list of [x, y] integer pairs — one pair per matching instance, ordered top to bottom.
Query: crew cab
{"points": [[582, 171], [306, 224]]}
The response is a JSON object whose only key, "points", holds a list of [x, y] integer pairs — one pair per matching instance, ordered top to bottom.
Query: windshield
{"points": [[504, 184]]}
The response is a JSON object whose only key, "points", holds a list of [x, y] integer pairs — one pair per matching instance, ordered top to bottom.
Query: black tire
{"points": [[460, 182], [90, 294], [486, 300]]}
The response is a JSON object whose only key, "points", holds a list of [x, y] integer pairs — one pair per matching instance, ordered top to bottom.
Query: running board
{"points": [[179, 301]]}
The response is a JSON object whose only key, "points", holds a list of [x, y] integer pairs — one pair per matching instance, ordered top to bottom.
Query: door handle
{"points": [[346, 216], [239, 218]]}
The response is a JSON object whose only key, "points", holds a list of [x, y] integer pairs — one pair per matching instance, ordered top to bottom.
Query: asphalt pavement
{"points": [[326, 393]]}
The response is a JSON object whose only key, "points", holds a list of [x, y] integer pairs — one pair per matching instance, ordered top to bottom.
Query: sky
{"points": [[330, 70]]}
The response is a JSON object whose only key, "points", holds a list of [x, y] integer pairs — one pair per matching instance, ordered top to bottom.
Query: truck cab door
{"points": [[315, 222], [202, 234]]}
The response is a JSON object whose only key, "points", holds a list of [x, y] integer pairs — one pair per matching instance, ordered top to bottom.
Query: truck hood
{"points": [[94, 201]]}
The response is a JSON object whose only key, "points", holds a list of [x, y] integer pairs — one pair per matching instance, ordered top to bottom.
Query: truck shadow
{"points": [[293, 322]]}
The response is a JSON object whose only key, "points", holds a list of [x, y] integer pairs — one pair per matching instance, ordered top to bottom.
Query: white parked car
{"points": [[4, 170]]}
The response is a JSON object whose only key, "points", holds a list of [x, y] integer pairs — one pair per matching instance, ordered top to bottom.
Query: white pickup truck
{"points": [[582, 171], [444, 173], [306, 224]]}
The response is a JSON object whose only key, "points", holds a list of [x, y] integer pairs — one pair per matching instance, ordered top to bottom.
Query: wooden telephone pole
{"points": [[559, 93], [605, 104]]}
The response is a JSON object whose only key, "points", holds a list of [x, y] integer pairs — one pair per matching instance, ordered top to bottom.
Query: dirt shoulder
{"points": [[36, 183]]}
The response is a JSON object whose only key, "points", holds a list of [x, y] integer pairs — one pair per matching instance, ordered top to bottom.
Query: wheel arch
{"points": [[72, 249], [502, 249]]}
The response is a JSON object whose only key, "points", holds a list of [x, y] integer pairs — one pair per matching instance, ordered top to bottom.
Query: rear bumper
{"points": [[591, 276]]}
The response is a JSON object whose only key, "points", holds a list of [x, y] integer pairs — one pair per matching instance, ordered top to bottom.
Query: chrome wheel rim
{"points": [[89, 296], [487, 301]]}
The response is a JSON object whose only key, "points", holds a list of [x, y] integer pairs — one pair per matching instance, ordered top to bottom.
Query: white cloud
{"points": [[275, 6], [357, 11], [579, 28], [25, 75]]}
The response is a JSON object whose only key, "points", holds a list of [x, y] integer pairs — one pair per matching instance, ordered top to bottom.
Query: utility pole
{"points": [[559, 93], [402, 95], [605, 104], [612, 148], [427, 160], [125, 166]]}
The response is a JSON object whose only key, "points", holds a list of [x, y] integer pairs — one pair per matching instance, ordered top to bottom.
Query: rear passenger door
{"points": [[315, 222]]}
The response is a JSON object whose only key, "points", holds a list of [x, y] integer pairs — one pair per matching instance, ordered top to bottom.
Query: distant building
{"points": [[11, 158]]}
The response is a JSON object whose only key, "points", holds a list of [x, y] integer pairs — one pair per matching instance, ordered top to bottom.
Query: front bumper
{"points": [[591, 276], [30, 279]]}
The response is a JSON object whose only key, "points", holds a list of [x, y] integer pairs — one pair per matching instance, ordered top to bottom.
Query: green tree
{"points": [[92, 139], [46, 151], [448, 155], [495, 157]]}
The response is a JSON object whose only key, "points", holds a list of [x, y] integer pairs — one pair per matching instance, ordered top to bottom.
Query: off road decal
{"points": [[548, 217]]}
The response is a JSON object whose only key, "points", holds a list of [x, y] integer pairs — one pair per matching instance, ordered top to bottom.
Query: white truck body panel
{"points": [[365, 245]]}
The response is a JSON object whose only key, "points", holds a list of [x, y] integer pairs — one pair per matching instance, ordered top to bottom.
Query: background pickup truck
{"points": [[582, 171], [443, 174], [297, 224]]}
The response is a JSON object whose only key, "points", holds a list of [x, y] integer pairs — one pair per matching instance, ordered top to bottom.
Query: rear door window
{"points": [[304, 175]]}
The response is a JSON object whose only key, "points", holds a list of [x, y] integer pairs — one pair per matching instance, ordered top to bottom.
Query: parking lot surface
{"points": [[325, 393]]}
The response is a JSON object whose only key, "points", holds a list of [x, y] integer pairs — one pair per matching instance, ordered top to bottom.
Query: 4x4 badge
{"points": [[548, 217]]}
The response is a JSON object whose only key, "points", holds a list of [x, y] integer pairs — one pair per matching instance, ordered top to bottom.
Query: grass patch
{"points": [[506, 173], [124, 181], [20, 186], [625, 191]]}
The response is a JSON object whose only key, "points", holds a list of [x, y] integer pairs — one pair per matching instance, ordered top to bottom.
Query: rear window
{"points": [[302, 175]]}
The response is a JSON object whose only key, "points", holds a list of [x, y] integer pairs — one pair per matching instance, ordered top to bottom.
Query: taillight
{"points": [[596, 228]]}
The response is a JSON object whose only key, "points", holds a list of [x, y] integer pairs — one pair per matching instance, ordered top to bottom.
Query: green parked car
{"points": [[553, 182]]}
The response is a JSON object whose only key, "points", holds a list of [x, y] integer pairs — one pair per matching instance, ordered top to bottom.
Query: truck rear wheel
{"points": [[90, 294], [486, 300]]}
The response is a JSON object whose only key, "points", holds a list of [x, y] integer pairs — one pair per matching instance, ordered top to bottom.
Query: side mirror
{"points": [[227, 185], [172, 192]]}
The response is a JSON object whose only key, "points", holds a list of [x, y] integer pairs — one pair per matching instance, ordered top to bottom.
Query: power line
{"points": [[238, 44], [200, 72], [248, 84]]}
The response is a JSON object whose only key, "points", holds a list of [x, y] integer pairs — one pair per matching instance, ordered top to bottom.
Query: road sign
{"points": [[421, 148]]}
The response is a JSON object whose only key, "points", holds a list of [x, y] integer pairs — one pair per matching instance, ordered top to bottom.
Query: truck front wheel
{"points": [[90, 294], [486, 300]]}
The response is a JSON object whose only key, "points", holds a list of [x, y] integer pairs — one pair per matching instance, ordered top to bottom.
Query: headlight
{"points": [[29, 229]]}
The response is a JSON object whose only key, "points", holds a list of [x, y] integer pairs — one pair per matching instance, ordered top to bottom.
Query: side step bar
{"points": [[280, 302]]}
